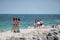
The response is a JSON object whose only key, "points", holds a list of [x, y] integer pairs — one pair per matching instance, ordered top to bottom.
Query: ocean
{"points": [[27, 20]]}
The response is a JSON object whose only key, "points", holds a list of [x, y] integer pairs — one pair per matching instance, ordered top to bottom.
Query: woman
{"points": [[34, 23], [38, 23], [41, 23], [14, 25], [18, 25]]}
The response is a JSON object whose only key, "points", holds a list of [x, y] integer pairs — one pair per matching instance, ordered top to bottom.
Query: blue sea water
{"points": [[27, 20]]}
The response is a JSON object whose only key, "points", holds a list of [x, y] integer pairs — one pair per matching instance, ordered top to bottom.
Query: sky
{"points": [[29, 6]]}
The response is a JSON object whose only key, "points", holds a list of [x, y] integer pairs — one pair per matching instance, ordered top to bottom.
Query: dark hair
{"points": [[13, 18], [18, 19], [35, 21]]}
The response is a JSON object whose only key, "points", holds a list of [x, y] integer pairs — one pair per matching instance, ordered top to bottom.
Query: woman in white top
{"points": [[38, 23]]}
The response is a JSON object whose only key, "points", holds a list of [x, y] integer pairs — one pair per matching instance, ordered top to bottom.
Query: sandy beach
{"points": [[28, 34]]}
